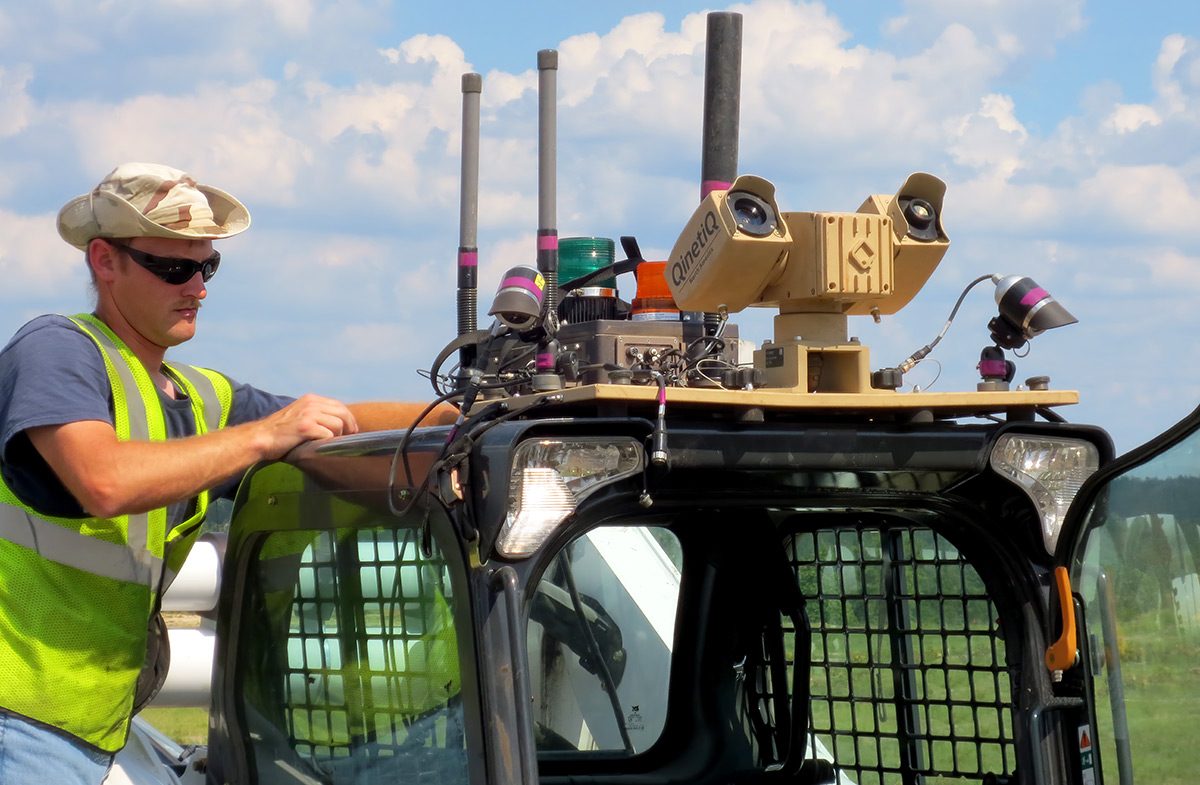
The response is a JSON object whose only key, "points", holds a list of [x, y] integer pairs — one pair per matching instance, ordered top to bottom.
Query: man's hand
{"points": [[307, 418]]}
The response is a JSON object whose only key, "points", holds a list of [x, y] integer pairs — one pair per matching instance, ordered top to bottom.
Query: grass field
{"points": [[1161, 681], [186, 726]]}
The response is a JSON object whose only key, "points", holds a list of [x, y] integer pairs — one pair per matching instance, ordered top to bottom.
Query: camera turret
{"points": [[817, 268]]}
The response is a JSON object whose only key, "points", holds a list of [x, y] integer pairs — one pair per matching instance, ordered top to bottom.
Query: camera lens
{"points": [[751, 214], [921, 217]]}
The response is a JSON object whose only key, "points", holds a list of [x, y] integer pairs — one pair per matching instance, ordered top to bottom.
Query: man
{"points": [[107, 453]]}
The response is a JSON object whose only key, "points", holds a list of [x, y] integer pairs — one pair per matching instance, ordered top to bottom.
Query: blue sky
{"points": [[1068, 134]]}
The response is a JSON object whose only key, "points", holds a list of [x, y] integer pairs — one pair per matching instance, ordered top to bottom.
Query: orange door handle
{"points": [[1061, 654]]}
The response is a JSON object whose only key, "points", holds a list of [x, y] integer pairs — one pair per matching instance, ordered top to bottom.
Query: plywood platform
{"points": [[943, 404]]}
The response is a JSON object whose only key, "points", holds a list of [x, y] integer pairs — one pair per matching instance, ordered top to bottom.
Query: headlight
{"points": [[1050, 470], [551, 476]]}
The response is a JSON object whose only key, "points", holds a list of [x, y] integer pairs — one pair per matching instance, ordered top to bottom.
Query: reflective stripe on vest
{"points": [[210, 387], [215, 393], [134, 416], [72, 548], [79, 592]]}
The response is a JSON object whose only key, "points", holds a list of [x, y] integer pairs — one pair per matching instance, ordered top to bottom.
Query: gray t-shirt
{"points": [[51, 374]]}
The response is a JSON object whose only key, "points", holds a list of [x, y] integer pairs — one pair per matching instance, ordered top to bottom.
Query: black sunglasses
{"points": [[172, 269]]}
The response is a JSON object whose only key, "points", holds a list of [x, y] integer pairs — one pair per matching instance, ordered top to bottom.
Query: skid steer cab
{"points": [[642, 556], [806, 596]]}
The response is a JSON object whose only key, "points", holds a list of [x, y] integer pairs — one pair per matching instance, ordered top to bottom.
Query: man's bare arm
{"points": [[109, 477]]}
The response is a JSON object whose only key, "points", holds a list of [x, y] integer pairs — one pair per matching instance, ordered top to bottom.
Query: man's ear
{"points": [[103, 259]]}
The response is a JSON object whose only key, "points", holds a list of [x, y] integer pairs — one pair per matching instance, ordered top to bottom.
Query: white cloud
{"points": [[293, 15], [1011, 27], [438, 49], [633, 49], [1175, 74], [501, 88], [16, 107], [367, 109], [1127, 118], [231, 132], [391, 139], [990, 139], [1155, 200], [989, 203], [335, 252], [500, 256], [34, 262], [1172, 270], [424, 281], [376, 343]]}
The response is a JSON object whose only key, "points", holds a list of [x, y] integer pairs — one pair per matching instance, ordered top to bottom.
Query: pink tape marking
{"points": [[708, 186], [548, 242], [468, 258], [522, 283], [1034, 295]]}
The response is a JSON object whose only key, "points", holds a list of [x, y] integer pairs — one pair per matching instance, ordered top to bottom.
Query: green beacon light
{"points": [[577, 257]]}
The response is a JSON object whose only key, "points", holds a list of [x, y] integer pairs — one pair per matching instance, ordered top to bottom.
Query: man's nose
{"points": [[195, 287]]}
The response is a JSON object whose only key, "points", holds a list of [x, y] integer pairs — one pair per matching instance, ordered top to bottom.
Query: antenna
{"points": [[722, 89], [722, 108], [468, 215], [547, 235], [547, 252]]}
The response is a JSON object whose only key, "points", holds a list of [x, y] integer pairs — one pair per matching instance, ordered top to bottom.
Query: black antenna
{"points": [[722, 89], [722, 99], [468, 216], [547, 254], [546, 377]]}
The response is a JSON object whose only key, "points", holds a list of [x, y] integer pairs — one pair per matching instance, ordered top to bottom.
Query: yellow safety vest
{"points": [[76, 593]]}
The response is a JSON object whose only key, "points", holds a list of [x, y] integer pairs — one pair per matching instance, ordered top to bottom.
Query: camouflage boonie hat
{"points": [[151, 200]]}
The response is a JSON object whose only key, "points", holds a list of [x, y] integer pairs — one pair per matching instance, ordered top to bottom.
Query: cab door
{"points": [[1131, 542]]}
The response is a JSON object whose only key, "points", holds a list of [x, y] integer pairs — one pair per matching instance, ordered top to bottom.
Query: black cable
{"points": [[616, 268], [476, 337], [462, 341], [716, 343], [923, 352], [507, 361], [721, 365], [474, 381], [1049, 414], [469, 438], [658, 440], [402, 449], [454, 451], [420, 491], [610, 686]]}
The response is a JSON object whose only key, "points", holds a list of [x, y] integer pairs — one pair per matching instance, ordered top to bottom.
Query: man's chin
{"points": [[183, 330]]}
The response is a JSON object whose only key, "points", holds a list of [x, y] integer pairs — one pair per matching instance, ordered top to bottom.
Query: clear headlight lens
{"points": [[1050, 470], [549, 479]]}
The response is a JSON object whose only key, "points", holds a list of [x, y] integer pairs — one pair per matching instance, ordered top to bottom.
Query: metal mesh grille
{"points": [[371, 666], [909, 673]]}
